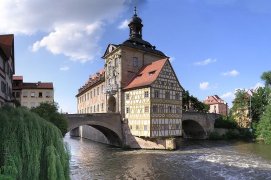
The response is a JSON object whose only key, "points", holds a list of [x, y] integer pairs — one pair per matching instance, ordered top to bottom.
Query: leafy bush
{"points": [[49, 111], [224, 122], [263, 129], [215, 136], [30, 147]]}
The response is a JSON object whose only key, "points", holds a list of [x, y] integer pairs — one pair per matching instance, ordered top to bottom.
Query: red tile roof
{"points": [[6, 44], [147, 75], [17, 78], [92, 81], [38, 85], [213, 100]]}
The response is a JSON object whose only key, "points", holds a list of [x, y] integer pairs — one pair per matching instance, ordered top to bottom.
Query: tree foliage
{"points": [[266, 77], [259, 101], [192, 103], [240, 109], [49, 111], [225, 122], [263, 130], [30, 147]]}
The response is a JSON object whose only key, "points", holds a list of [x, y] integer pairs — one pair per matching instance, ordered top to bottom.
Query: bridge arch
{"points": [[108, 124], [198, 125], [193, 129]]}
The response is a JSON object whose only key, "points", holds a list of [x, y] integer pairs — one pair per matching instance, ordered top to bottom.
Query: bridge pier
{"points": [[75, 132]]}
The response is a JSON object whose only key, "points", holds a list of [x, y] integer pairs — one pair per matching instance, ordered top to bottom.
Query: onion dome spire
{"points": [[135, 26]]}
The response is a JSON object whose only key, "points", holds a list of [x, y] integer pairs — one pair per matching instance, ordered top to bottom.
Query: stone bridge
{"points": [[107, 123], [197, 125]]}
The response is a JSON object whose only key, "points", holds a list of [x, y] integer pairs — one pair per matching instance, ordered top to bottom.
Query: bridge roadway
{"points": [[195, 125]]}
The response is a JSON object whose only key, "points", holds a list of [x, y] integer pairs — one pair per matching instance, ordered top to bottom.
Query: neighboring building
{"points": [[7, 68], [138, 82], [32, 94], [91, 97], [217, 105], [242, 114]]}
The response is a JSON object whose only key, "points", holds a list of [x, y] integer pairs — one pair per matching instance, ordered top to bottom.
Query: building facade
{"points": [[7, 68], [140, 84], [30, 95], [91, 96], [153, 101], [217, 105], [242, 114]]}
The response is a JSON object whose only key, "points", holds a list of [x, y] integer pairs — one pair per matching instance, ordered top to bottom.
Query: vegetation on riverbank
{"points": [[257, 108], [49, 112], [30, 147]]}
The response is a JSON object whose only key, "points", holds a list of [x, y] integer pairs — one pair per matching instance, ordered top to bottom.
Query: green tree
{"points": [[266, 76], [186, 97], [259, 101], [191, 102], [240, 108], [49, 111], [263, 130], [31, 147]]}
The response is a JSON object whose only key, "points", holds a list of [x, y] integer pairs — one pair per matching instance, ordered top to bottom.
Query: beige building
{"points": [[7, 68], [140, 84], [32, 94], [91, 97], [153, 101], [217, 105], [242, 114]]}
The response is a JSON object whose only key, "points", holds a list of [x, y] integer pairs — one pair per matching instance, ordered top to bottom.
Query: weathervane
{"points": [[135, 11]]}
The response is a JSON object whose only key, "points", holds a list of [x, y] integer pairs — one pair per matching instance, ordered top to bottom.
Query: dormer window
{"points": [[151, 73]]}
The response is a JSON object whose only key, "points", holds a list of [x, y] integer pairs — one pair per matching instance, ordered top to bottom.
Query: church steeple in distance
{"points": [[135, 26]]}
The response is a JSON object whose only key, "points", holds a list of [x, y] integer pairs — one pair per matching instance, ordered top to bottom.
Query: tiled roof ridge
{"points": [[93, 79], [146, 80]]}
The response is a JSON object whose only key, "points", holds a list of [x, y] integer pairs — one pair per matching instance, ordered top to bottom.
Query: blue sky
{"points": [[216, 46]]}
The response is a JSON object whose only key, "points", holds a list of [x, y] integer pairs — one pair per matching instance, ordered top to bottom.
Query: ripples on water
{"points": [[194, 160]]}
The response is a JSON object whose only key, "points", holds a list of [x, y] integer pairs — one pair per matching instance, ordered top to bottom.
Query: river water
{"points": [[193, 160]]}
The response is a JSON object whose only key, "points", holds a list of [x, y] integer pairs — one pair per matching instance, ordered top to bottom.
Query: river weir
{"points": [[193, 160]]}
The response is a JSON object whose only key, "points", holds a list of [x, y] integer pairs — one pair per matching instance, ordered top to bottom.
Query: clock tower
{"points": [[123, 61]]}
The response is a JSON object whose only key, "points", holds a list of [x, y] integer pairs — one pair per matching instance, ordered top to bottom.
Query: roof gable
{"points": [[109, 49], [147, 74], [174, 74], [213, 100]]}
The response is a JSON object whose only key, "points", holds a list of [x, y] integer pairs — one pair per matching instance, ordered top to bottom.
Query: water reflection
{"points": [[194, 160]]}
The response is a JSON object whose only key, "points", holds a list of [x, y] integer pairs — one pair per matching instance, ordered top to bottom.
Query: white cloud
{"points": [[124, 24], [71, 28], [80, 41], [172, 59], [205, 62], [64, 68], [231, 73], [204, 85], [257, 85], [228, 95]]}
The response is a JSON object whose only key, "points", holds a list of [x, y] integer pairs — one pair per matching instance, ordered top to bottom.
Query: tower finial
{"points": [[135, 14]]}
